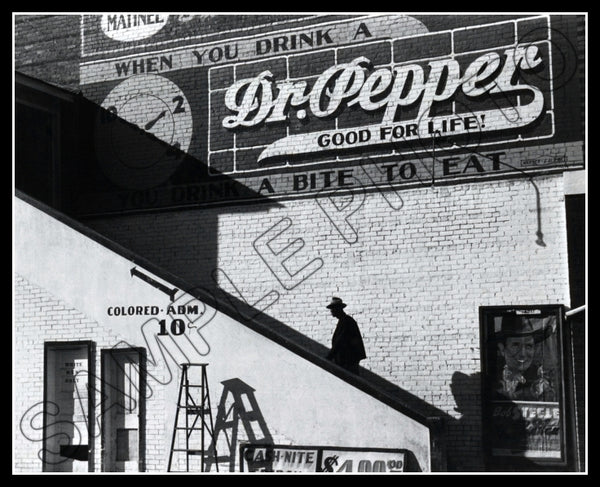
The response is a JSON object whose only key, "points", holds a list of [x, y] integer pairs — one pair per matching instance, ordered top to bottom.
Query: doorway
{"points": [[123, 410], [68, 426]]}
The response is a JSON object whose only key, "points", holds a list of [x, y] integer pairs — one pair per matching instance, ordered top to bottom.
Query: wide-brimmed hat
{"points": [[336, 303], [521, 326]]}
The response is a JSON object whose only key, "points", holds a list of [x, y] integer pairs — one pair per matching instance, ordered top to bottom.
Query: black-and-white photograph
{"points": [[253, 243]]}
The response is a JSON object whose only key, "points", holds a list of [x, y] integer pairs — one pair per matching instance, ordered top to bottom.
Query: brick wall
{"points": [[48, 47], [414, 278], [43, 318]]}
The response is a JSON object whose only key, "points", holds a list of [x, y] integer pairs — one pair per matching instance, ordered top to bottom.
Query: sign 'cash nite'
{"points": [[390, 90]]}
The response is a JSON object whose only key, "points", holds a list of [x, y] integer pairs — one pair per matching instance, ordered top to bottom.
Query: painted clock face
{"points": [[144, 143]]}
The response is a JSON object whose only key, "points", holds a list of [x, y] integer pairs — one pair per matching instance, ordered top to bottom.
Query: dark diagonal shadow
{"points": [[125, 203]]}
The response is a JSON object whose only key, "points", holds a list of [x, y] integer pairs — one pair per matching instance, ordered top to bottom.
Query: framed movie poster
{"points": [[527, 396]]}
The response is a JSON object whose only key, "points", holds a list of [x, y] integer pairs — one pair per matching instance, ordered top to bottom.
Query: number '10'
{"points": [[177, 327]]}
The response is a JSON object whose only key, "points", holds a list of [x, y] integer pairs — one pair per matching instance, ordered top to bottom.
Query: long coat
{"points": [[347, 348]]}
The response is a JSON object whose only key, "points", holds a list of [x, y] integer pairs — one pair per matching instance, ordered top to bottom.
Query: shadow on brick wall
{"points": [[120, 180], [467, 396], [512, 432]]}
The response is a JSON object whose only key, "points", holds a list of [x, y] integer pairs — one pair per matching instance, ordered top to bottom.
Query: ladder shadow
{"points": [[238, 407]]}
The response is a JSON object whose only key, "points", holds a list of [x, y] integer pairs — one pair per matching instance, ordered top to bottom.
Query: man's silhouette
{"points": [[347, 348]]}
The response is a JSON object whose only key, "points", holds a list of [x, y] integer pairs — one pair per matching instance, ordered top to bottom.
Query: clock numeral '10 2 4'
{"points": [[179, 108], [110, 114], [175, 150]]}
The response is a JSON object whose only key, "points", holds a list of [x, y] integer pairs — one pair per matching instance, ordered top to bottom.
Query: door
{"points": [[123, 410], [67, 423]]}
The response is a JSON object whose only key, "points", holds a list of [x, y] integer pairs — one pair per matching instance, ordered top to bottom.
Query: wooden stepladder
{"points": [[194, 419]]}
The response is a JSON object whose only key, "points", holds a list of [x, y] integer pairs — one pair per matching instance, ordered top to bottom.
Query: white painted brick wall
{"points": [[38, 318]]}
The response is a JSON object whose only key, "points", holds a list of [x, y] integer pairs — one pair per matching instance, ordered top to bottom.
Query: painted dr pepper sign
{"points": [[383, 85], [386, 97], [263, 99], [300, 108]]}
